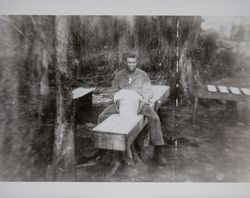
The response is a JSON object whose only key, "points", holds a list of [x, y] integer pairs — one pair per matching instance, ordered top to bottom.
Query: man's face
{"points": [[131, 63]]}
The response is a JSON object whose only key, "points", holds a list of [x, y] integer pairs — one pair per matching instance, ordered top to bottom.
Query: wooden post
{"points": [[194, 109], [242, 112], [64, 147], [129, 153]]}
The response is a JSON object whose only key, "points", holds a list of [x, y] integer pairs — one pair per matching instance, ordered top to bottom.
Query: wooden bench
{"points": [[239, 95], [83, 96], [117, 133]]}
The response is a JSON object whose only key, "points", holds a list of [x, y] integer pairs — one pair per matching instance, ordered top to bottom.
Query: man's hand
{"points": [[142, 103], [117, 104]]}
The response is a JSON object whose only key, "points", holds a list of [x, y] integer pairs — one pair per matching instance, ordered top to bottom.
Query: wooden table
{"points": [[223, 93], [83, 96], [118, 133]]}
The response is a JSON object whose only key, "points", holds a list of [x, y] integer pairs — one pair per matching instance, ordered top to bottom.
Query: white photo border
{"points": [[125, 7]]}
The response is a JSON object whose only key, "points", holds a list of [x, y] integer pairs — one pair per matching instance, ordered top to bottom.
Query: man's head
{"points": [[130, 59]]}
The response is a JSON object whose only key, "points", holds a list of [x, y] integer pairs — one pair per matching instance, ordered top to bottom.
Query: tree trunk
{"points": [[186, 72], [190, 78], [9, 103], [25, 134], [64, 148]]}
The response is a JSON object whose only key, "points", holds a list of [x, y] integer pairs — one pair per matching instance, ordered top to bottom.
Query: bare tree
{"points": [[64, 149]]}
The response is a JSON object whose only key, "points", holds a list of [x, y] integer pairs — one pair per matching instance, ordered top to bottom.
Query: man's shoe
{"points": [[159, 156]]}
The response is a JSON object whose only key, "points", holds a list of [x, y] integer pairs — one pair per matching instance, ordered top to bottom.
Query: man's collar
{"points": [[135, 72]]}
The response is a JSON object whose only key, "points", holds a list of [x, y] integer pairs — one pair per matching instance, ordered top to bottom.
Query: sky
{"points": [[223, 24]]}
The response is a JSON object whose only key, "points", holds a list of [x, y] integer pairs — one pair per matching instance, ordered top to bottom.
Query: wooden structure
{"points": [[239, 95], [83, 96], [117, 133]]}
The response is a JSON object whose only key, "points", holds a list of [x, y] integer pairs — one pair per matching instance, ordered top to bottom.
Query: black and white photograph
{"points": [[124, 98]]}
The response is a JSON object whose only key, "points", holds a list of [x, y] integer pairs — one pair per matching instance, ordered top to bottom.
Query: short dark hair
{"points": [[130, 55]]}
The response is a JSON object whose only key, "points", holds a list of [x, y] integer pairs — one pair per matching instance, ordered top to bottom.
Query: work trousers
{"points": [[154, 123]]}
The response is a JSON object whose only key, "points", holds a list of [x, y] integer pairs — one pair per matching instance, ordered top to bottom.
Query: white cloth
{"points": [[129, 102]]}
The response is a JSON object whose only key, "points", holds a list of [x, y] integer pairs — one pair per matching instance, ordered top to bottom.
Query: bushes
{"points": [[211, 58]]}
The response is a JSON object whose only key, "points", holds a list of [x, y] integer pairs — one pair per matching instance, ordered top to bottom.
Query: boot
{"points": [[159, 156]]}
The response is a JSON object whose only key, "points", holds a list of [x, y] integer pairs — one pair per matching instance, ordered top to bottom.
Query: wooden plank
{"points": [[211, 88], [223, 89], [235, 90], [80, 91], [246, 91], [158, 92], [202, 92], [161, 93], [233, 95], [85, 100], [162, 100], [108, 124], [117, 124], [126, 124], [122, 126], [123, 129], [136, 130], [110, 141]]}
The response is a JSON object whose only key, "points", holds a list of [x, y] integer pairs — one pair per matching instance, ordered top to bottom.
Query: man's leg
{"points": [[111, 109], [154, 125], [155, 131]]}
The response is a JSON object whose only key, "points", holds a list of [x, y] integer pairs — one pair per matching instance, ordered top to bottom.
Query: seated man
{"points": [[137, 80]]}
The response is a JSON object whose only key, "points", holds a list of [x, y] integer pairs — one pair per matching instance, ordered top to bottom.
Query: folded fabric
{"points": [[129, 102]]}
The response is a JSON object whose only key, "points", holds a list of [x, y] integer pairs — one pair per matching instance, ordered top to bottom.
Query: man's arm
{"points": [[115, 83], [114, 88], [145, 90]]}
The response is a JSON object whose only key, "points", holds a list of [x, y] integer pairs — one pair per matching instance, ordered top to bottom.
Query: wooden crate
{"points": [[223, 93], [82, 96], [117, 133]]}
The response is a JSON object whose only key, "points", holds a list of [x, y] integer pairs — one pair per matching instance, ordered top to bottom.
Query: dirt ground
{"points": [[214, 149]]}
